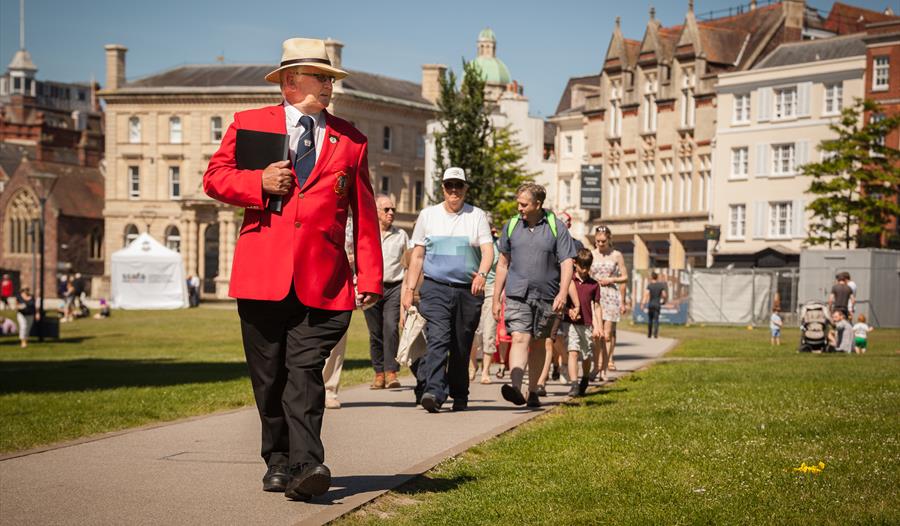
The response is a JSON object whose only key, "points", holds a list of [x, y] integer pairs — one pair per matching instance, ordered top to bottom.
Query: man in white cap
{"points": [[454, 249], [291, 278]]}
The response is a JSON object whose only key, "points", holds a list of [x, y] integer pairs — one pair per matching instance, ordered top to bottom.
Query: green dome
{"points": [[487, 34], [493, 70]]}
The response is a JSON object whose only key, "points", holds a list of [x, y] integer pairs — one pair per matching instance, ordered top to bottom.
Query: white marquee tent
{"points": [[147, 275]]}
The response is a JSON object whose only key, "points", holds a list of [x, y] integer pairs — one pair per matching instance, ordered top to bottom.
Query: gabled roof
{"points": [[845, 18], [721, 45], [815, 50], [252, 75], [565, 101], [11, 156], [79, 190]]}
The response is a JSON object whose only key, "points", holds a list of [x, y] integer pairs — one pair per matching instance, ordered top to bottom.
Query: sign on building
{"points": [[591, 179]]}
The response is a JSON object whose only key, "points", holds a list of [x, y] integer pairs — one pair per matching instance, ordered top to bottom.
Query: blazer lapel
{"points": [[332, 138]]}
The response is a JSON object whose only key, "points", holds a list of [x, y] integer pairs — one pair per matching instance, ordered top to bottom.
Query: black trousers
{"points": [[452, 315], [383, 321], [653, 321], [286, 344]]}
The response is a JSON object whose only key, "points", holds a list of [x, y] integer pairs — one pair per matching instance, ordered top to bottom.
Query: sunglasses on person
{"points": [[320, 77], [454, 185], [387, 210], [603, 228]]}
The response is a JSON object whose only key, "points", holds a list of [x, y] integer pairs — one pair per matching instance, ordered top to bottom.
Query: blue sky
{"points": [[542, 42]]}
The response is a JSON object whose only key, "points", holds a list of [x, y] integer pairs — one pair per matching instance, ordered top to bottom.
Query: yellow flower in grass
{"points": [[814, 469]]}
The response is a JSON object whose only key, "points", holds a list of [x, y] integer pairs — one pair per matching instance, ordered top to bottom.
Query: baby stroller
{"points": [[815, 323]]}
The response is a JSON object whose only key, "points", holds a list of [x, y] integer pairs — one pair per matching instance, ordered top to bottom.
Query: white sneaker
{"points": [[332, 403]]}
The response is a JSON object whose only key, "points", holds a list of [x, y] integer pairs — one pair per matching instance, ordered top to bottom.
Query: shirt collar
{"points": [[292, 114]]}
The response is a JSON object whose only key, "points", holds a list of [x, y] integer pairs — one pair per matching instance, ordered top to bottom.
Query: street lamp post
{"points": [[43, 184]]}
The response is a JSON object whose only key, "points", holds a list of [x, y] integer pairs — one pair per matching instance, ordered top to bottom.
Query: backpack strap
{"points": [[514, 220], [551, 220], [511, 225]]}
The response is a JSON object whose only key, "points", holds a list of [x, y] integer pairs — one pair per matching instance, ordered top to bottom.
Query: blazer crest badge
{"points": [[340, 184]]}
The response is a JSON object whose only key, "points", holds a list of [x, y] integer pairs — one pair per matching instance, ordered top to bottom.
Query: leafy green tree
{"points": [[491, 157], [856, 181]]}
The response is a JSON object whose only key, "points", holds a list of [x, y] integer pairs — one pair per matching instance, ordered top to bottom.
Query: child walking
{"points": [[585, 322], [775, 324], [861, 334]]}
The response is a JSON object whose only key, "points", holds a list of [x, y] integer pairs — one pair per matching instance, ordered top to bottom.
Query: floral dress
{"points": [[610, 300]]}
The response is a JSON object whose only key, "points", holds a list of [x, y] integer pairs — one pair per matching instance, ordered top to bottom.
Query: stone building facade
{"points": [[771, 120], [163, 129]]}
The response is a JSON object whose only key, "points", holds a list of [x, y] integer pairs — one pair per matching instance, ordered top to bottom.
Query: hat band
{"points": [[305, 61]]}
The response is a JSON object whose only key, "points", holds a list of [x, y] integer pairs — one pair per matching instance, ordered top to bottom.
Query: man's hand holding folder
{"points": [[256, 150], [277, 178]]}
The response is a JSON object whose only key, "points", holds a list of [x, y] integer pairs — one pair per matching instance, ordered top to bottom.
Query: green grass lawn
{"points": [[135, 368], [710, 435]]}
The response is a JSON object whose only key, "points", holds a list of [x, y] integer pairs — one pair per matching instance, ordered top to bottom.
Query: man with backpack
{"points": [[535, 270]]}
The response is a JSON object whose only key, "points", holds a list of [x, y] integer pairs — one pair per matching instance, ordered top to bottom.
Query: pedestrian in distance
{"points": [[454, 250], [609, 270], [535, 272], [293, 283], [7, 292], [655, 296], [842, 296], [27, 312], [383, 318], [584, 323], [775, 324], [861, 332]]}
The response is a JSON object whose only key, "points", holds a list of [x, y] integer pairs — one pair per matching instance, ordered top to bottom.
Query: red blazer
{"points": [[304, 245]]}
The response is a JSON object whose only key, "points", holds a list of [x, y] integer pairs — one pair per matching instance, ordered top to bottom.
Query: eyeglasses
{"points": [[320, 77], [454, 185], [388, 210], [603, 228]]}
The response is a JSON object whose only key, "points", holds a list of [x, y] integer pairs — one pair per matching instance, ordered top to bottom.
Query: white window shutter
{"points": [[803, 91], [765, 104], [802, 155], [762, 159], [759, 219], [798, 225]]}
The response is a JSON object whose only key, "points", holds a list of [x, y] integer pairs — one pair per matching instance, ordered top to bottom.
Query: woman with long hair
{"points": [[608, 269]]}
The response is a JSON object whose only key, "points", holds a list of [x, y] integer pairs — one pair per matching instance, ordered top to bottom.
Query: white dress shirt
{"points": [[295, 130]]}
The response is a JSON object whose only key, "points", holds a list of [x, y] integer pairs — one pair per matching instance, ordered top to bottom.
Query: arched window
{"points": [[215, 129], [134, 130], [175, 130], [22, 216], [131, 233], [173, 238], [96, 243]]}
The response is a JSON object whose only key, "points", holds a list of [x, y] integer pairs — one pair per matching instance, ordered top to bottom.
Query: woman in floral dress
{"points": [[609, 271]]}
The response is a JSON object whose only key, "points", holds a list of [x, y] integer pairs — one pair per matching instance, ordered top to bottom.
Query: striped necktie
{"points": [[305, 158]]}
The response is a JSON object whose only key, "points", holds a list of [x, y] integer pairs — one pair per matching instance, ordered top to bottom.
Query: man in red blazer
{"points": [[291, 278]]}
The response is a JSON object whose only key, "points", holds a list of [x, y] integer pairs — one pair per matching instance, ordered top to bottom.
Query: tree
{"points": [[491, 157], [856, 180]]}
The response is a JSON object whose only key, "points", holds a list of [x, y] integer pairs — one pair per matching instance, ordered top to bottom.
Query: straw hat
{"points": [[304, 52]]}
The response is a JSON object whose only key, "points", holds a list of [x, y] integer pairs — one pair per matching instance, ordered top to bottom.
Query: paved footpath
{"points": [[207, 470]]}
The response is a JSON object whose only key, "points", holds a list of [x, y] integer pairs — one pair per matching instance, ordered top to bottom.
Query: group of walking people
{"points": [[296, 286]]}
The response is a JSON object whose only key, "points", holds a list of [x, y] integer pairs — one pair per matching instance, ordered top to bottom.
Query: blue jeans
{"points": [[451, 317]]}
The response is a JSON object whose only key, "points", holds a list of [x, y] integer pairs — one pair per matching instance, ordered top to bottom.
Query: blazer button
{"points": [[301, 196], [297, 224]]}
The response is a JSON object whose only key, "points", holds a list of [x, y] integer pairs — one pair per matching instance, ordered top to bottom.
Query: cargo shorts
{"points": [[531, 316]]}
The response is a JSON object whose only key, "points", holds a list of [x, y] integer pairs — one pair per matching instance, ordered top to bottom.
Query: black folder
{"points": [[255, 150]]}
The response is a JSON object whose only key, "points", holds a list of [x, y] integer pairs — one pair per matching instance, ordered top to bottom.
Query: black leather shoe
{"points": [[583, 385], [511, 394], [533, 400], [430, 403], [460, 405], [276, 478], [308, 481]]}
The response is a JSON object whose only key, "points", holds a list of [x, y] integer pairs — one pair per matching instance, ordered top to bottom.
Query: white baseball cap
{"points": [[454, 172]]}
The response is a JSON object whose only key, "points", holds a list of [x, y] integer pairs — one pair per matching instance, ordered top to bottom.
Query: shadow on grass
{"points": [[14, 342], [89, 374], [343, 487]]}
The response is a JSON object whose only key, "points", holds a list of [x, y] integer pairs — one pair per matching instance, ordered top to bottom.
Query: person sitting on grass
{"points": [[104, 311], [585, 324], [775, 325], [861, 333], [840, 339]]}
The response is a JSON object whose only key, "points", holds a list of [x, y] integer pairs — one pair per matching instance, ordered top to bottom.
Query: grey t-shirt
{"points": [[535, 255], [656, 289], [842, 294], [844, 338]]}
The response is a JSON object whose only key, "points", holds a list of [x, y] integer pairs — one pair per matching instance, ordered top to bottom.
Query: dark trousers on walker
{"points": [[451, 314], [383, 321], [653, 321], [286, 344]]}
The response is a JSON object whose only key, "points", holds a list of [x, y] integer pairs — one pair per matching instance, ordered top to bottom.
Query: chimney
{"points": [[793, 19], [333, 48], [115, 66], [431, 81]]}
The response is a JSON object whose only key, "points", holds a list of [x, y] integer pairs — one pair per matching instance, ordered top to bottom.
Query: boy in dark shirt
{"points": [[585, 322]]}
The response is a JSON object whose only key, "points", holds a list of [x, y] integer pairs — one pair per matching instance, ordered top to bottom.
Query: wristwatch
{"points": [[482, 274]]}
